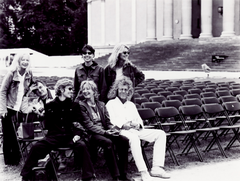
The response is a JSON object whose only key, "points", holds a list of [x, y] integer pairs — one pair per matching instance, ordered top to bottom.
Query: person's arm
{"points": [[139, 76], [76, 85], [102, 86], [3, 93], [88, 124]]}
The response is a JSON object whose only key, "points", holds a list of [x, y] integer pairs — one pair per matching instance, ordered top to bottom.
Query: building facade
{"points": [[134, 21]]}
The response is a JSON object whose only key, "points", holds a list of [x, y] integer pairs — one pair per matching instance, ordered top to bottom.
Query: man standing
{"points": [[60, 114]]}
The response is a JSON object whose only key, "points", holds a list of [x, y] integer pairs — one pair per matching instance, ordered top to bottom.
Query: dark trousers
{"points": [[113, 146], [44, 147], [11, 151]]}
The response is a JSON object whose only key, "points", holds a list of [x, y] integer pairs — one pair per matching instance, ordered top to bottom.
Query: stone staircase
{"points": [[189, 55]]}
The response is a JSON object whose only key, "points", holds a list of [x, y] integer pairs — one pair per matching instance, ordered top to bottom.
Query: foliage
{"points": [[53, 27]]}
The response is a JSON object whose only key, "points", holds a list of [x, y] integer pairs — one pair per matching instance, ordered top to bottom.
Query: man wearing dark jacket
{"points": [[59, 117]]}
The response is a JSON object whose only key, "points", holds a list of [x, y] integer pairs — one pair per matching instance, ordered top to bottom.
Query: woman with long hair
{"points": [[119, 65], [14, 87]]}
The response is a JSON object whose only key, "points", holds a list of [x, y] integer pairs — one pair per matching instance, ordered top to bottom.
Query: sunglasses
{"points": [[87, 53], [126, 53], [70, 88]]}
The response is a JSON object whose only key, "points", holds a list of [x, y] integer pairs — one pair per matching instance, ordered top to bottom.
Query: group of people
{"points": [[98, 102]]}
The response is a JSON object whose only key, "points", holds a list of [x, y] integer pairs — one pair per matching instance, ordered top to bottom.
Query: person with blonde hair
{"points": [[119, 65], [14, 86], [60, 115], [124, 115], [102, 132]]}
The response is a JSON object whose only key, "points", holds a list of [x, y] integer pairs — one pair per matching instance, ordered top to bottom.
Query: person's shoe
{"points": [[159, 172], [145, 176], [125, 178]]}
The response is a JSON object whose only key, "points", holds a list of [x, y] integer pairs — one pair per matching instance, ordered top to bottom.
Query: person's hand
{"points": [[32, 88], [3, 115], [135, 125], [127, 126], [112, 132], [76, 138]]}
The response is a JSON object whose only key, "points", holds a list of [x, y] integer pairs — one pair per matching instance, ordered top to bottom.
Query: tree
{"points": [[53, 27]]}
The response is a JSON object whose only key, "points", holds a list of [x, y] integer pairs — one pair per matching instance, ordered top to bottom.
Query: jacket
{"points": [[129, 70], [96, 73], [9, 89], [59, 117], [88, 122]]}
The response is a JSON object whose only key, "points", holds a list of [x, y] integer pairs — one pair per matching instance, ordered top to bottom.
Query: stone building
{"points": [[134, 21]]}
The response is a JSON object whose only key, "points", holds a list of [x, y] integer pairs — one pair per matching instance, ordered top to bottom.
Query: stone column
{"points": [[228, 18], [186, 19], [206, 19], [89, 20], [151, 20], [167, 20], [103, 21], [134, 22]]}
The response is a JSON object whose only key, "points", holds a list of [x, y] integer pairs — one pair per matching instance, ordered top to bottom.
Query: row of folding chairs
{"points": [[196, 122]]}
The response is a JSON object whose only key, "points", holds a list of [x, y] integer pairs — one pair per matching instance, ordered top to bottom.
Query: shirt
{"points": [[20, 92], [121, 113]]}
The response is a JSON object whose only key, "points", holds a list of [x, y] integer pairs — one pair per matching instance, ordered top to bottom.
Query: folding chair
{"points": [[176, 84], [164, 86], [214, 86], [235, 86], [149, 87], [185, 87], [201, 87], [222, 88], [171, 89], [209, 89], [156, 90], [142, 91], [194, 91], [180, 92], [235, 92], [165, 93], [223, 93], [208, 94], [135, 95], [147, 95], [189, 96], [175, 97], [159, 99], [227, 99], [140, 100], [210, 100], [192, 101], [171, 103], [151, 105], [196, 113], [171, 115]]}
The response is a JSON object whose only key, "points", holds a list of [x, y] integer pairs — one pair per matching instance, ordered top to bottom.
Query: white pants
{"points": [[149, 135]]}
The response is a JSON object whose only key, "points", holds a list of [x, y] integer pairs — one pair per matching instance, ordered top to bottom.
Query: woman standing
{"points": [[119, 65], [89, 70], [14, 86], [102, 133]]}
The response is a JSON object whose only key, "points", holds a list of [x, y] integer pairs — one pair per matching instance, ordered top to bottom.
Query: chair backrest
{"points": [[163, 86], [212, 86], [149, 87], [201, 87], [234, 87], [186, 88], [222, 88], [171, 89], [209, 89], [156, 90], [142, 91], [195, 91], [180, 92], [235, 92], [165, 93], [220, 93], [208, 94], [135, 95], [147, 95], [189, 96], [175, 97], [159, 99], [223, 99], [140, 100], [210, 100], [192, 101], [171, 103], [137, 105], [151, 105], [233, 107], [213, 109], [191, 110], [167, 112], [147, 115]]}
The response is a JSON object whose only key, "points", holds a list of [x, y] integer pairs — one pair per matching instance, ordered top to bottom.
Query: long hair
{"points": [[112, 60], [16, 61], [123, 81], [61, 84], [92, 85]]}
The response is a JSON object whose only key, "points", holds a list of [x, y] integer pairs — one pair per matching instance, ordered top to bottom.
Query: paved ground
{"points": [[221, 171]]}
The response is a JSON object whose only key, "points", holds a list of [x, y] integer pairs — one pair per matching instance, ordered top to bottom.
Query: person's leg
{"points": [[135, 145], [122, 146], [38, 151], [109, 154], [82, 157]]}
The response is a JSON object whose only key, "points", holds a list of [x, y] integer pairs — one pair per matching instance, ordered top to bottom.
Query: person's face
{"points": [[87, 56], [123, 56], [24, 62], [41, 90], [68, 92], [87, 92], [123, 92]]}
